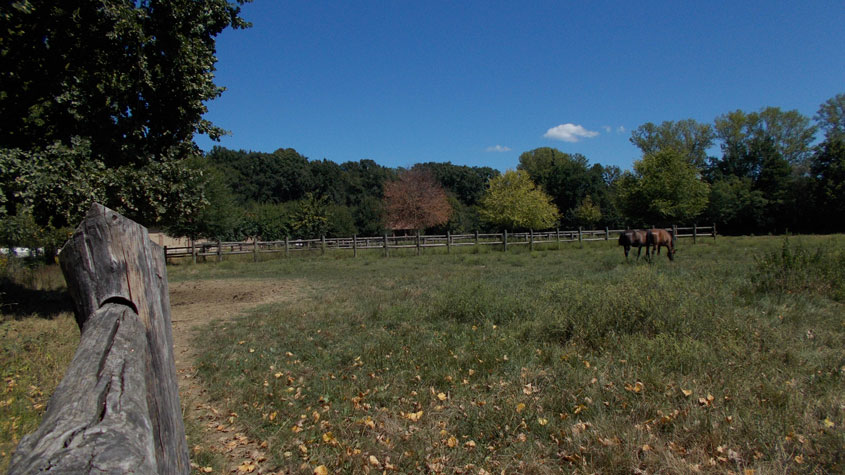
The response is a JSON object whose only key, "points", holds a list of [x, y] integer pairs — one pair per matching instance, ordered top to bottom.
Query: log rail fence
{"points": [[417, 242], [117, 408]]}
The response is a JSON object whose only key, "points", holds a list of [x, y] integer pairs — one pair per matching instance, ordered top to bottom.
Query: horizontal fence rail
{"points": [[386, 243]]}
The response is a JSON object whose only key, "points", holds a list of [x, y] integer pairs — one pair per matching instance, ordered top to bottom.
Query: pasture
{"points": [[730, 358]]}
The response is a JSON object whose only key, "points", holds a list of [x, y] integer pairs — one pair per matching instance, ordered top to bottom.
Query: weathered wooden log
{"points": [[117, 409]]}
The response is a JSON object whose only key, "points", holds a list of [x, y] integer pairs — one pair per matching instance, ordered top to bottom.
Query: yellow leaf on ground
{"points": [[687, 392], [441, 396], [520, 407], [413, 416], [542, 421], [828, 423], [452, 442], [374, 461], [246, 467], [207, 469], [321, 470]]}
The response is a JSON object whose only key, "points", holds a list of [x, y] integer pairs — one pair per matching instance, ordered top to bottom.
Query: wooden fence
{"points": [[386, 243], [117, 408]]}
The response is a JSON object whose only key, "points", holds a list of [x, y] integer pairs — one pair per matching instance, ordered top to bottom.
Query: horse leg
{"points": [[627, 248], [639, 251]]}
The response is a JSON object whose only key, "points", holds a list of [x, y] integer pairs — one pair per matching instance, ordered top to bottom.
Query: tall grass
{"points": [[795, 268], [551, 361]]}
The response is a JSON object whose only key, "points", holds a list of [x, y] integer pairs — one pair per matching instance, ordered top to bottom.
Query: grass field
{"points": [[731, 358]]}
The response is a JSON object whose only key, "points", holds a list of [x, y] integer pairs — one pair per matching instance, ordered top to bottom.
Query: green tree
{"points": [[129, 80], [831, 117], [790, 132], [690, 138], [828, 170], [567, 178], [663, 189], [514, 202], [587, 213], [220, 217], [310, 217]]}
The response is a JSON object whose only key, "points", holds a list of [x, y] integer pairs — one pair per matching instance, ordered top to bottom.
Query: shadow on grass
{"points": [[18, 301]]}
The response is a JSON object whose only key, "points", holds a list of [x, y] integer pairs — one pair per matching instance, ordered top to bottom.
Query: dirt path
{"points": [[194, 304]]}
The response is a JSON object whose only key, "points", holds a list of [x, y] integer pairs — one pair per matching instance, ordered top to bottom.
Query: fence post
{"points": [[714, 231], [694, 233], [557, 234], [606, 234], [674, 234], [579, 235], [476, 239], [530, 239], [505, 240], [418, 242], [448, 242], [323, 245], [354, 245], [287, 246], [255, 249], [194, 250], [386, 251], [219, 252], [165, 254], [117, 408]]}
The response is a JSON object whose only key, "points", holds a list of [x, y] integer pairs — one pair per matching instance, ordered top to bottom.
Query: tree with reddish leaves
{"points": [[415, 201]]}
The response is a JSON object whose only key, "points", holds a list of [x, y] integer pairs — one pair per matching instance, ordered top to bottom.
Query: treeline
{"points": [[776, 173]]}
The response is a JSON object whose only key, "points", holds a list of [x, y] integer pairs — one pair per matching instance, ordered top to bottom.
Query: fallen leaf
{"points": [[687, 392], [441, 396], [520, 407], [413, 416], [542, 421], [828, 423], [452, 442], [374, 461], [246, 467], [207, 469], [321, 470]]}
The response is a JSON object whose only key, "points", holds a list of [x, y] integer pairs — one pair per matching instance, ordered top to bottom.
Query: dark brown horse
{"points": [[633, 238], [657, 238]]}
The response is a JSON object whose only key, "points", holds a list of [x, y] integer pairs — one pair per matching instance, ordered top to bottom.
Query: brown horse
{"points": [[635, 238], [658, 238]]}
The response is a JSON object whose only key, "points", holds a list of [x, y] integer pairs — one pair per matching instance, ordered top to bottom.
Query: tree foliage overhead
{"points": [[132, 77], [100, 100], [514, 202]]}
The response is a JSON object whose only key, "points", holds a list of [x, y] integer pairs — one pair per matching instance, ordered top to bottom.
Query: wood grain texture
{"points": [[110, 262]]}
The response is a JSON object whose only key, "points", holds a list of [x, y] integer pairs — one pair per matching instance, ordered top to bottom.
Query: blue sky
{"points": [[479, 82]]}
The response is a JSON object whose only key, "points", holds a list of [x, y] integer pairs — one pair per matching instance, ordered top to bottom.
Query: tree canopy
{"points": [[108, 94], [688, 137], [663, 189], [415, 201], [514, 202]]}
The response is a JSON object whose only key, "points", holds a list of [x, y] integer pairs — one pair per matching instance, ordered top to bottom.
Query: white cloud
{"points": [[607, 128], [620, 130], [569, 133], [498, 148]]}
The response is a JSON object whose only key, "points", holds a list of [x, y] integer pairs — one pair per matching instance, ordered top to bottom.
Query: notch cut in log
{"points": [[117, 408]]}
